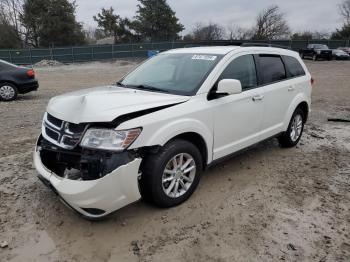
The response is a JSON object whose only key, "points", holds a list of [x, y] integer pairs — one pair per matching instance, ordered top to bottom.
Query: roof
{"points": [[214, 50], [223, 50]]}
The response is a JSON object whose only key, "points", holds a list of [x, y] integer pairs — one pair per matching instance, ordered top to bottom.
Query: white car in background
{"points": [[155, 131]]}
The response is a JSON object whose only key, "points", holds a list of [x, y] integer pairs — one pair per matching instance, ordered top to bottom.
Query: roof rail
{"points": [[265, 45]]}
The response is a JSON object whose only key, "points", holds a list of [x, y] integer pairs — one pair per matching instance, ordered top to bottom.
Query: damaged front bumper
{"points": [[96, 197]]}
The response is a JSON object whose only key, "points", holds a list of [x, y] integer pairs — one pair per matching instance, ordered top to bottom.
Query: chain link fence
{"points": [[119, 51]]}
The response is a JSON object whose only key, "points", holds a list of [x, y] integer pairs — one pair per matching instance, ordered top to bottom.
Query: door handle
{"points": [[291, 88], [258, 98]]}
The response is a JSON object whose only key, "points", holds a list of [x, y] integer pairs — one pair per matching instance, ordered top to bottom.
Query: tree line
{"points": [[53, 23], [270, 24]]}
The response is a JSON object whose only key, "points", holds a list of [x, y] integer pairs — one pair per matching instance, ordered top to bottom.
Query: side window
{"points": [[272, 68], [294, 68], [243, 69]]}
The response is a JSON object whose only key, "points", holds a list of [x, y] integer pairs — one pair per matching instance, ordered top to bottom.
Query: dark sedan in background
{"points": [[345, 49], [340, 55], [15, 80]]}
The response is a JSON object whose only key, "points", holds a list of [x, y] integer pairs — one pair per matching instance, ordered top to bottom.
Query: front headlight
{"points": [[318, 52], [109, 139]]}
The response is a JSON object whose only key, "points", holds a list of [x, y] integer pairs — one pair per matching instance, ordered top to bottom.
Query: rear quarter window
{"points": [[293, 66], [271, 68]]}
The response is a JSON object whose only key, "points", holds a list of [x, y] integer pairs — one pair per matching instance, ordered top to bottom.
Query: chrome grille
{"points": [[61, 133]]}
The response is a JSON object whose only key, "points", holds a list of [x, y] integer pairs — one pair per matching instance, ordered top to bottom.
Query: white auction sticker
{"points": [[204, 57]]}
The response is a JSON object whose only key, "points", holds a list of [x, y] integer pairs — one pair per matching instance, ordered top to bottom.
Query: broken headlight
{"points": [[109, 139]]}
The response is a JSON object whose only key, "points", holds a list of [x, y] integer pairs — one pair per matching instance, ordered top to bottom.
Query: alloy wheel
{"points": [[7, 92], [296, 127], [178, 175]]}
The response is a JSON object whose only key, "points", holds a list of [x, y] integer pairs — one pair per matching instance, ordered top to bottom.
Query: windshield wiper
{"points": [[119, 83], [148, 87]]}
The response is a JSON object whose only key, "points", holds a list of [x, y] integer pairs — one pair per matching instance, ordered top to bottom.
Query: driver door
{"points": [[238, 117]]}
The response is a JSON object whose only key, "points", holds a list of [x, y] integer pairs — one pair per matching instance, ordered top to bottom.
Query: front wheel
{"points": [[314, 57], [295, 129], [171, 176]]}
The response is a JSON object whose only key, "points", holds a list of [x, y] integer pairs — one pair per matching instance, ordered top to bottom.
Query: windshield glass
{"points": [[320, 46], [174, 73]]}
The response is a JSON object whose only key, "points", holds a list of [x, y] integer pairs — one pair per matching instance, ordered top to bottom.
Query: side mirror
{"points": [[229, 86]]}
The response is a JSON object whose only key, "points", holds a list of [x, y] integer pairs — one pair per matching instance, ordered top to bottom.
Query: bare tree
{"points": [[344, 10], [11, 12], [270, 24], [208, 32], [236, 32], [303, 35], [309, 35], [321, 35]]}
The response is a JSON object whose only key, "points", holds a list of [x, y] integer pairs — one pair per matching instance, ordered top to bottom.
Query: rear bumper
{"points": [[28, 87], [94, 198]]}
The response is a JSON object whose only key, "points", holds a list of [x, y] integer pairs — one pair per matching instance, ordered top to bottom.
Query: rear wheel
{"points": [[8, 92], [295, 129], [171, 176]]}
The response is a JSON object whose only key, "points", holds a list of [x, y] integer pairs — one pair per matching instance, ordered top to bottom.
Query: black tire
{"points": [[314, 57], [9, 87], [285, 140], [153, 166]]}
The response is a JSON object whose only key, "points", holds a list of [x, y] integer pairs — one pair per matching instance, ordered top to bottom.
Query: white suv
{"points": [[155, 131]]}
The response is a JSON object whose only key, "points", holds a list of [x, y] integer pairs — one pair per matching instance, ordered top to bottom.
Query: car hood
{"points": [[104, 104]]}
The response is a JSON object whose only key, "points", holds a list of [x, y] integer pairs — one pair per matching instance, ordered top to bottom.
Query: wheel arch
{"points": [[8, 82], [301, 102], [305, 108], [198, 141]]}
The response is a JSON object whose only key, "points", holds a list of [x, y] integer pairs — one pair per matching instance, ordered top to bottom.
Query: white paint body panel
{"points": [[104, 104], [232, 132]]}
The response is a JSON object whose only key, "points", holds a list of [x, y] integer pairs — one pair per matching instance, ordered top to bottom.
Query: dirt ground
{"points": [[267, 204]]}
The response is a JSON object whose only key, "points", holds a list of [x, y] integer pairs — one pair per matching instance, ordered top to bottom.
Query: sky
{"points": [[320, 15]]}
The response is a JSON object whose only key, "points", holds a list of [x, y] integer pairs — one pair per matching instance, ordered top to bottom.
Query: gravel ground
{"points": [[267, 204]]}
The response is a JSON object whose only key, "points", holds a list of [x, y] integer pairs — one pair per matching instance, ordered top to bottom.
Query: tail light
{"points": [[31, 73], [312, 81]]}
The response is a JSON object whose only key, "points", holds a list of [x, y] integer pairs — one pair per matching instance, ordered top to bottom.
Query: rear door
{"points": [[277, 95]]}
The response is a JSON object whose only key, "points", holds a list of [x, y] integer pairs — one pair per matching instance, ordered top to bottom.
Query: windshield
{"points": [[320, 47], [341, 52], [174, 73]]}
